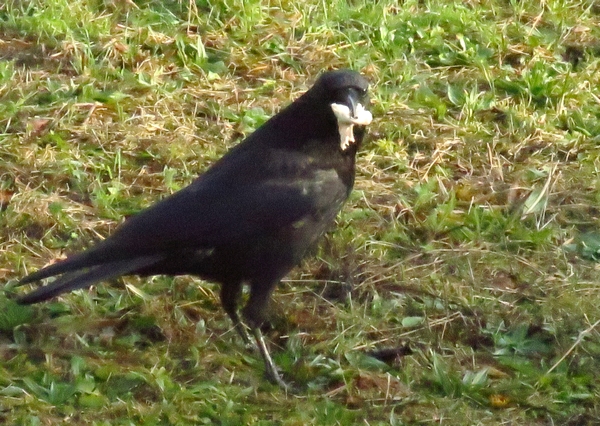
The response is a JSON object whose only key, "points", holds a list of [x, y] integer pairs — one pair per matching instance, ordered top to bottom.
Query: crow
{"points": [[249, 219]]}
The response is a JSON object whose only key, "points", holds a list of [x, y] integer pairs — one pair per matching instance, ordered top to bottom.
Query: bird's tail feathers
{"points": [[98, 255], [77, 280]]}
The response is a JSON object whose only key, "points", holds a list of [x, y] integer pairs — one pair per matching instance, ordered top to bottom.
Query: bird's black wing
{"points": [[208, 215], [205, 218]]}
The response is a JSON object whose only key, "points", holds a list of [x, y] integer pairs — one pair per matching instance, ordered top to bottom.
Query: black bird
{"points": [[250, 218]]}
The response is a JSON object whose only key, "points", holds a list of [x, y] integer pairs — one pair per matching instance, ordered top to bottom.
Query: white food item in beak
{"points": [[346, 122]]}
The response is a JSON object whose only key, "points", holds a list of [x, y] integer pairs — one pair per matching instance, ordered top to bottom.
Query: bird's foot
{"points": [[242, 331], [274, 377]]}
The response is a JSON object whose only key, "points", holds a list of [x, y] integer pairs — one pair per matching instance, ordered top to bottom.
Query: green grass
{"points": [[471, 239]]}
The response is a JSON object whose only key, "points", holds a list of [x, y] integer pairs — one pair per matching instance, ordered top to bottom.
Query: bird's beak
{"points": [[352, 101], [351, 109], [348, 113]]}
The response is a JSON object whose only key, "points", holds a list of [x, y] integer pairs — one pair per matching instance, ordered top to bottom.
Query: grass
{"points": [[460, 287]]}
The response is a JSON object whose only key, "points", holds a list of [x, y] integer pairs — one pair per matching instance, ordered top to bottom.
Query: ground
{"points": [[460, 285]]}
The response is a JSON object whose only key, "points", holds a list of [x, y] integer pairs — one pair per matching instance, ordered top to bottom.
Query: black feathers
{"points": [[251, 217]]}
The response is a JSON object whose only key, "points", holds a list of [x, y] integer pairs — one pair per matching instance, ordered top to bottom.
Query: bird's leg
{"points": [[230, 295], [254, 315], [242, 331], [270, 368]]}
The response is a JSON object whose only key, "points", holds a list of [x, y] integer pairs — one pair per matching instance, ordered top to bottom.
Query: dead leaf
{"points": [[5, 197]]}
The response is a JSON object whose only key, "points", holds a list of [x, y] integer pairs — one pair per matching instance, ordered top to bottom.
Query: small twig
{"points": [[572, 348]]}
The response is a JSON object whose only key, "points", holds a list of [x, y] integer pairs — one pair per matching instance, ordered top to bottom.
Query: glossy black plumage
{"points": [[248, 220]]}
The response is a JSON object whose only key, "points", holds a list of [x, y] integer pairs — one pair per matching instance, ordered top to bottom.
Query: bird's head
{"points": [[347, 98]]}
